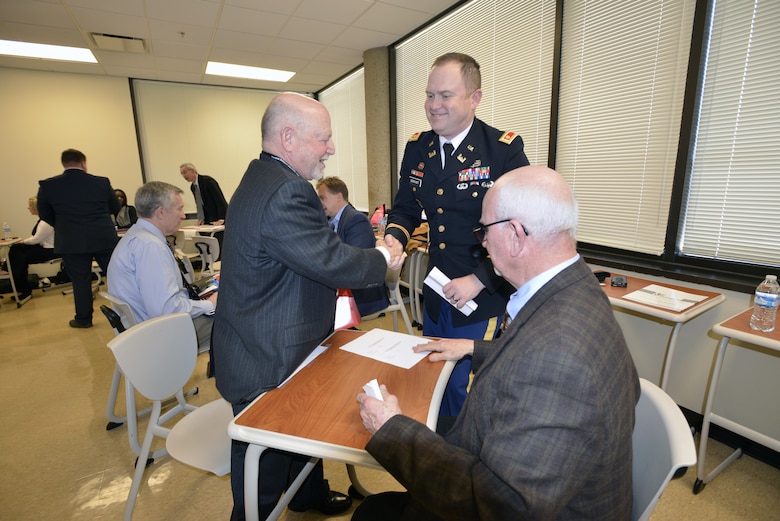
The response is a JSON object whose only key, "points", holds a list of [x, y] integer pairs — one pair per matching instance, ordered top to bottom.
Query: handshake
{"points": [[393, 251]]}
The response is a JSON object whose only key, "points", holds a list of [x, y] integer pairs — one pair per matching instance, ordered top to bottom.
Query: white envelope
{"points": [[436, 280]]}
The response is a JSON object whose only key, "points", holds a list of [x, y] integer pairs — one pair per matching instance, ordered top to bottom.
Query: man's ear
{"points": [[287, 135], [518, 240]]}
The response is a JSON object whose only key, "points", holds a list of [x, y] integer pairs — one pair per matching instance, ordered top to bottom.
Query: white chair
{"points": [[209, 253], [396, 301], [121, 320], [126, 320], [157, 358], [662, 444]]}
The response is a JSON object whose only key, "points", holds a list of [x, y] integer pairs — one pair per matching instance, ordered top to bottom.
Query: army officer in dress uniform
{"points": [[446, 172]]}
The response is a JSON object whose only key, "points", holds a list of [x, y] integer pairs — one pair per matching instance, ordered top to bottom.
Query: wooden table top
{"points": [[319, 403]]}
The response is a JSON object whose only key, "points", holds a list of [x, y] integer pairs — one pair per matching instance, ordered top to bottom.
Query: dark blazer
{"points": [[452, 201], [214, 203], [79, 206], [355, 229], [281, 266], [545, 432]]}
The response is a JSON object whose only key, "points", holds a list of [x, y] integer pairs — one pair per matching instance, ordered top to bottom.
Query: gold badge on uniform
{"points": [[415, 136], [507, 137]]}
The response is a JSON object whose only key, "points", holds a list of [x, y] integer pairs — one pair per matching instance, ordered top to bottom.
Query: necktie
{"points": [[448, 148], [199, 203], [504, 324]]}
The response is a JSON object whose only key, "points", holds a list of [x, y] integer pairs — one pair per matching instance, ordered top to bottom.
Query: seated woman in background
{"points": [[127, 216], [37, 248]]}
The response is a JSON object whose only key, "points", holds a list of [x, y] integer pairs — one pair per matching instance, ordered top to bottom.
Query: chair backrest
{"points": [[176, 240], [209, 252], [391, 279], [121, 308], [113, 318], [158, 355], [662, 444]]}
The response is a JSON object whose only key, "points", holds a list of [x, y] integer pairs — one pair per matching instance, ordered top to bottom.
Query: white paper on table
{"points": [[436, 280], [663, 297], [389, 347], [309, 359]]}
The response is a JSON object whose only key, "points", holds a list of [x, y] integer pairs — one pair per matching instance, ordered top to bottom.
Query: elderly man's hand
{"points": [[446, 349], [375, 413]]}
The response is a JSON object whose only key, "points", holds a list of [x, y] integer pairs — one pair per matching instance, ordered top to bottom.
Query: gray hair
{"points": [[154, 195], [541, 204]]}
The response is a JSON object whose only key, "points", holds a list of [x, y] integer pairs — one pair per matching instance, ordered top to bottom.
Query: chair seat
{"points": [[206, 426]]}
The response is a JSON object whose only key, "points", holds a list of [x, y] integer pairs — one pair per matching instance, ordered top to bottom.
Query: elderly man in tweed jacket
{"points": [[545, 432]]}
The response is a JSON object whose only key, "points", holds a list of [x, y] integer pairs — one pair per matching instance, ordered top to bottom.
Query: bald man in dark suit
{"points": [[280, 270]]}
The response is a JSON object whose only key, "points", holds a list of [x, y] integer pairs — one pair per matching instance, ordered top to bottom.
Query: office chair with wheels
{"points": [[157, 358], [662, 444]]}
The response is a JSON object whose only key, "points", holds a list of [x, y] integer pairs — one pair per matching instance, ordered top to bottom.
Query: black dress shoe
{"points": [[77, 324], [335, 503]]}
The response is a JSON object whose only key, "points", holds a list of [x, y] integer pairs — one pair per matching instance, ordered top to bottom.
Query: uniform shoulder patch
{"points": [[415, 136], [508, 137]]}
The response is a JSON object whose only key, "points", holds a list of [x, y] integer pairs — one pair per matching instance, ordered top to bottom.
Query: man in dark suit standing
{"points": [[447, 171], [209, 200], [80, 206], [353, 228], [280, 270], [545, 432]]}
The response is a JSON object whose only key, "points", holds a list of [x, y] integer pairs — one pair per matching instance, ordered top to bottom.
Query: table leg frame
{"points": [[251, 480]]}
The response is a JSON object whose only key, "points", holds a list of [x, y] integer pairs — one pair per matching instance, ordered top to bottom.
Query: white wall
{"points": [[44, 113], [215, 128]]}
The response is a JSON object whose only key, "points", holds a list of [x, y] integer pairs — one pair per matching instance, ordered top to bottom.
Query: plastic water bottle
{"points": [[381, 226], [6, 231], [765, 305]]}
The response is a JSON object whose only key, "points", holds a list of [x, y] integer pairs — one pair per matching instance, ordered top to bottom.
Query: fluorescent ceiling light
{"points": [[46, 52], [243, 71]]}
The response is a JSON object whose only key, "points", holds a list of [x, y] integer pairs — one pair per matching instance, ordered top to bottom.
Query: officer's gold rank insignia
{"points": [[508, 137]]}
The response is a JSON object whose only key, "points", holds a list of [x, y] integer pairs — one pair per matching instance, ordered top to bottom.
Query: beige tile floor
{"points": [[60, 463]]}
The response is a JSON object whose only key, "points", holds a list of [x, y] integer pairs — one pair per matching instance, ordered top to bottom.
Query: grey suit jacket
{"points": [[281, 266], [545, 433]]}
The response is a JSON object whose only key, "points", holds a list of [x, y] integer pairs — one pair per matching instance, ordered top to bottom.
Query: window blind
{"points": [[513, 43], [622, 80], [346, 102], [733, 195]]}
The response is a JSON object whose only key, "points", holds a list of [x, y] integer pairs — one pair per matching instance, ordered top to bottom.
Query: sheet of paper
{"points": [[436, 280], [663, 297], [389, 347], [309, 359]]}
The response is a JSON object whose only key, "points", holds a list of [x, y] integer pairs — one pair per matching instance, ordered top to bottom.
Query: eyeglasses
{"points": [[480, 232]]}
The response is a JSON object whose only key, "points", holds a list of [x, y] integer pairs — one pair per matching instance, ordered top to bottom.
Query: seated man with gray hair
{"points": [[143, 271]]}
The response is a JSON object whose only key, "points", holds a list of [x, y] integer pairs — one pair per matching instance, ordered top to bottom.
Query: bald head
{"points": [[297, 129], [537, 212]]}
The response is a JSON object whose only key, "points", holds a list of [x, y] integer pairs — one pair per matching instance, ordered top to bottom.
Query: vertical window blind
{"points": [[513, 43], [622, 81], [346, 102], [732, 201]]}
